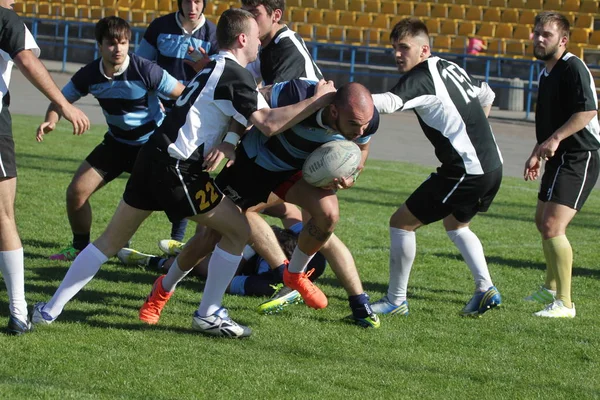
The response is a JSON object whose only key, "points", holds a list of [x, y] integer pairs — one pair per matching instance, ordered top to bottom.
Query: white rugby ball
{"points": [[333, 160]]}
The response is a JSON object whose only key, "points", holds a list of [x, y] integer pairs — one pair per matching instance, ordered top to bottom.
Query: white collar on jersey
{"points": [[200, 25], [228, 54], [117, 72], [320, 121]]}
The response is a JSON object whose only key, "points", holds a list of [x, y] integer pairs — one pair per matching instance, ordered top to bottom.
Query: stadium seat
{"points": [[463, 2], [292, 3], [309, 3], [483, 3], [498, 3], [516, 4], [534, 4], [324, 5], [341, 5], [355, 5], [555, 5], [570, 5], [166, 6], [372, 6], [589, 6], [222, 7], [389, 7], [404, 8], [422, 10], [439, 11], [456, 12], [70, 13], [474, 13], [96, 14], [125, 14], [297, 14], [492, 15], [510, 15], [314, 16], [138, 17], [331, 17], [527, 17], [347, 18], [363, 20], [380, 21], [585, 21], [433, 25], [449, 27], [466, 28], [304, 30], [486, 30], [504, 31], [522, 32], [321, 33], [336, 34], [580, 35], [354, 36], [372, 37], [595, 38], [441, 43], [459, 45], [496, 47], [515, 48], [577, 50]]}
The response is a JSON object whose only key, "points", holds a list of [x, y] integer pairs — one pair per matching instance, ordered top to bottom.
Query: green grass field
{"points": [[99, 350]]}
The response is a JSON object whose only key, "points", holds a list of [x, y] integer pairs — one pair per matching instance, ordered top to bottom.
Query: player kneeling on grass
{"points": [[452, 109], [267, 164], [169, 176], [254, 276]]}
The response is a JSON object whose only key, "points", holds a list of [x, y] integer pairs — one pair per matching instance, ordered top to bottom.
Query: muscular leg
{"points": [[263, 240], [11, 251], [342, 264]]}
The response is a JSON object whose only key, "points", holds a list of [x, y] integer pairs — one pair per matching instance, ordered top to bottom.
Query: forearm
{"points": [[52, 114], [277, 120], [577, 122], [535, 150]]}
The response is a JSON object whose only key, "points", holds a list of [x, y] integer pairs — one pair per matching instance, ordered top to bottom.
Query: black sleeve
{"points": [[12, 32], [414, 84], [582, 96]]}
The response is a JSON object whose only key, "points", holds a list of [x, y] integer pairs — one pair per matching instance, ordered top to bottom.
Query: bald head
{"points": [[353, 96], [352, 109]]}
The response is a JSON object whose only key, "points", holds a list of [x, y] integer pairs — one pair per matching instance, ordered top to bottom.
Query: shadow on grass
{"points": [[38, 243]]}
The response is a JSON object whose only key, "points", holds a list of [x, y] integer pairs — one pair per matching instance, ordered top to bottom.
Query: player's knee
{"points": [[75, 196]]}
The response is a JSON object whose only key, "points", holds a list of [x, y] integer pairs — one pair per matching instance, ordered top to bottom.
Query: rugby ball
{"points": [[333, 160]]}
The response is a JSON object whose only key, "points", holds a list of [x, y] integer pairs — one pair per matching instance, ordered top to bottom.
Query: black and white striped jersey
{"points": [[283, 59], [567, 89], [448, 103], [201, 115]]}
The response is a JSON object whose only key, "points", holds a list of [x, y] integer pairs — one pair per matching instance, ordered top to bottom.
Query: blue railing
{"points": [[351, 61]]}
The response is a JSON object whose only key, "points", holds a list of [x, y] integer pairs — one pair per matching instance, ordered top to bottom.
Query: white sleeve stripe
{"points": [[30, 43], [309, 66], [387, 103]]}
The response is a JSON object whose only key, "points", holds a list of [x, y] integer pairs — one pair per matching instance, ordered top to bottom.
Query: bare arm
{"points": [[35, 71], [177, 91], [271, 121], [577, 122], [49, 124], [532, 165]]}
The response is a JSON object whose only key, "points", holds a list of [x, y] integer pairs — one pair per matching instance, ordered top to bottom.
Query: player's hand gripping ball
{"points": [[333, 160]]}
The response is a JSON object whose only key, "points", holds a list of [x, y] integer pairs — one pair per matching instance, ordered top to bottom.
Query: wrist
{"points": [[232, 138]]}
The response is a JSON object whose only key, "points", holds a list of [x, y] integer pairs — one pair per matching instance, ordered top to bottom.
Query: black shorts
{"points": [[111, 158], [8, 166], [569, 178], [159, 182], [247, 183], [463, 197]]}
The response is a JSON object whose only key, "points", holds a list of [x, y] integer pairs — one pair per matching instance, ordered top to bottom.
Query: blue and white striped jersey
{"points": [[166, 42], [128, 99], [288, 150]]}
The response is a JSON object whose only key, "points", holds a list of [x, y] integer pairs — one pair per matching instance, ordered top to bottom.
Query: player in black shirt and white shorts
{"points": [[18, 46], [452, 109], [568, 138], [169, 175]]}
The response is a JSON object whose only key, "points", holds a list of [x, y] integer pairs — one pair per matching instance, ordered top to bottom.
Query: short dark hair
{"points": [[270, 5], [181, 9], [547, 17], [233, 23], [411, 27], [112, 28], [287, 240]]}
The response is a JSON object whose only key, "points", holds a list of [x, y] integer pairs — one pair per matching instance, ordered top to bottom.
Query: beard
{"points": [[545, 54]]}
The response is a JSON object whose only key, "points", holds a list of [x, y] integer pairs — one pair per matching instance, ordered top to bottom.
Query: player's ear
{"points": [[276, 16], [333, 111]]}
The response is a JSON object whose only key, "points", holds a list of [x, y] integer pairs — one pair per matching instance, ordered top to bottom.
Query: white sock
{"points": [[403, 249], [471, 249], [299, 261], [83, 269], [221, 269], [13, 270], [173, 277]]}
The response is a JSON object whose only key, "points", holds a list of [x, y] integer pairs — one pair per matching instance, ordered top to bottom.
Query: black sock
{"points": [[80, 240], [156, 263], [360, 305]]}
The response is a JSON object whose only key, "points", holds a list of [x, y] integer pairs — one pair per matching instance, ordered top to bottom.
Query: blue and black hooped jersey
{"points": [[166, 43], [129, 99], [288, 150]]}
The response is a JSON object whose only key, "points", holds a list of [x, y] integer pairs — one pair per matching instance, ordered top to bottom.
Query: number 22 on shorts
{"points": [[207, 196]]}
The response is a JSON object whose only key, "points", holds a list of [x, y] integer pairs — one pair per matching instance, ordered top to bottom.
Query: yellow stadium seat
{"points": [[463, 2], [86, 3], [293, 3], [309, 3], [483, 3], [498, 3], [339, 4], [516, 4], [534, 4], [149, 5], [324, 5], [355, 5], [552, 5], [570, 5], [166, 6], [372, 6], [589, 6], [222, 7], [389, 7], [406, 8], [422, 10], [439, 11], [69, 12], [456, 12], [474, 13], [96, 14], [125, 14], [297, 14], [286, 15], [492, 15], [510, 15], [314, 16], [570, 16], [331, 17], [527, 17], [138, 18], [347, 18], [363, 20], [393, 20], [380, 21], [585, 21], [433, 25], [449, 27], [466, 28], [486, 30], [305, 31], [504, 31], [522, 32], [322, 33], [336, 34], [354, 35], [580, 35], [372, 37], [595, 38], [441, 43], [459, 45], [496, 46], [515, 48], [577, 50]]}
